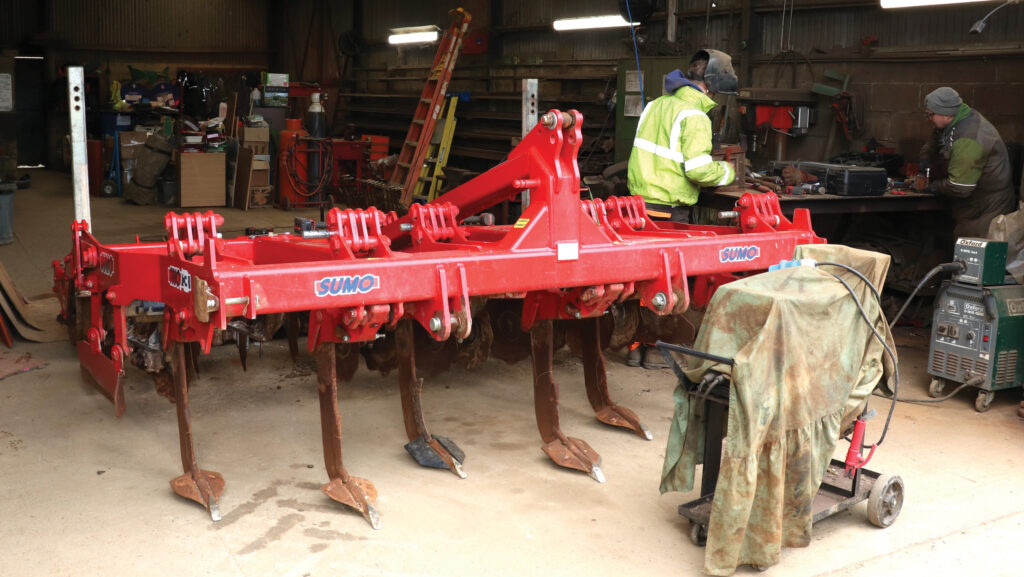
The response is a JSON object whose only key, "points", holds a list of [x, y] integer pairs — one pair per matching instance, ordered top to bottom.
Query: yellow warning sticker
{"points": [[521, 223]]}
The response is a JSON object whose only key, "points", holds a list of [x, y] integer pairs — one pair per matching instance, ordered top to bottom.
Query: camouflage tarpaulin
{"points": [[805, 361]]}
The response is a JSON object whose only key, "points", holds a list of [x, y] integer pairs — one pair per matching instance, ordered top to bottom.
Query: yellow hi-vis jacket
{"points": [[671, 157]]}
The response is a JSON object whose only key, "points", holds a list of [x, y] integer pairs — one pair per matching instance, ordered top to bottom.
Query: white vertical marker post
{"points": [[79, 157]]}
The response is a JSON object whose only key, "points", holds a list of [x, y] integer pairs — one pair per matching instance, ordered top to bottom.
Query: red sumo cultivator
{"points": [[364, 272]]}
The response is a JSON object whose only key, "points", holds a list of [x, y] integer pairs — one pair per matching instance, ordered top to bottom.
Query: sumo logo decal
{"points": [[739, 253], [179, 278], [346, 285]]}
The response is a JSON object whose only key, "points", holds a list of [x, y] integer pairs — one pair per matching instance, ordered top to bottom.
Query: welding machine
{"points": [[978, 325]]}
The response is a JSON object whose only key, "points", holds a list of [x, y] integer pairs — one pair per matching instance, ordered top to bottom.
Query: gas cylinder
{"points": [[316, 119], [316, 124], [291, 163]]}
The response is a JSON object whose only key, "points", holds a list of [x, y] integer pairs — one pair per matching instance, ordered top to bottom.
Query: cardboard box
{"points": [[254, 134], [255, 138], [130, 141], [258, 148], [260, 173], [203, 179], [261, 197]]}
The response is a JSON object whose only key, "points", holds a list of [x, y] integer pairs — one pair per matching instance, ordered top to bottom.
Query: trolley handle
{"points": [[694, 353]]}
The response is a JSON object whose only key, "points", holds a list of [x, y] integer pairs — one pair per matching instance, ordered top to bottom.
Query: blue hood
{"points": [[675, 80]]}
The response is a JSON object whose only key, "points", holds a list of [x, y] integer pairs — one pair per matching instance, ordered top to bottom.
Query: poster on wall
{"points": [[6, 93], [634, 105]]}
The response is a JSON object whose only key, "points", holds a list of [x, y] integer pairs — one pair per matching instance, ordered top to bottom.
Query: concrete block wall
{"points": [[889, 99]]}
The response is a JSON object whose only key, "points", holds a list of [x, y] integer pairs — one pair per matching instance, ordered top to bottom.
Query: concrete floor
{"points": [[85, 493]]}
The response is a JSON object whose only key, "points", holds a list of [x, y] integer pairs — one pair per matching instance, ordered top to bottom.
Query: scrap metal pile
{"points": [[364, 273]]}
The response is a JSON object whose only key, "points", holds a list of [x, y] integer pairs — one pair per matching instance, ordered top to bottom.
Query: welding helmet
{"points": [[719, 75]]}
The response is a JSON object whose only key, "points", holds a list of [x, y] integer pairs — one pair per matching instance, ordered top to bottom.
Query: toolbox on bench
{"points": [[842, 179]]}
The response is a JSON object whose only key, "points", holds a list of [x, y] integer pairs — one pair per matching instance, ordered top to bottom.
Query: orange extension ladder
{"points": [[417, 141]]}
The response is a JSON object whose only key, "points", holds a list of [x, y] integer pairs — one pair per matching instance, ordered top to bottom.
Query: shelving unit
{"points": [[489, 113]]}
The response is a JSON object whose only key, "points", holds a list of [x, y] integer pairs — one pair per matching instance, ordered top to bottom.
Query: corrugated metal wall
{"points": [[544, 12], [380, 16], [19, 20], [176, 26], [814, 30], [307, 36], [608, 44]]}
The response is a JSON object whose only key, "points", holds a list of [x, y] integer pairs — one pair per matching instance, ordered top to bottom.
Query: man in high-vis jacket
{"points": [[671, 157], [968, 163]]}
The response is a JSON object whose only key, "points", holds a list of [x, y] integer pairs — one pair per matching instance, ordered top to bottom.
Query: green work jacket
{"points": [[978, 178]]}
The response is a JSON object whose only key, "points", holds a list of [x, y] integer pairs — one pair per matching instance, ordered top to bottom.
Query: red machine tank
{"points": [[291, 164]]}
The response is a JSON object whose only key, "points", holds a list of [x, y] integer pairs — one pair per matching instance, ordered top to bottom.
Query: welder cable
{"points": [[791, 6], [782, 29], [636, 54], [604, 125], [954, 266], [878, 297], [885, 345], [972, 382]]}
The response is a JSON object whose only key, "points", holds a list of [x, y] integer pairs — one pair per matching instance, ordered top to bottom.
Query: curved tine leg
{"points": [[292, 329], [242, 342], [192, 353], [596, 378], [429, 451], [564, 451], [203, 487], [354, 492]]}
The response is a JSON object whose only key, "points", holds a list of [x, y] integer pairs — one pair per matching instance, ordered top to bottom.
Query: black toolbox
{"points": [[842, 179]]}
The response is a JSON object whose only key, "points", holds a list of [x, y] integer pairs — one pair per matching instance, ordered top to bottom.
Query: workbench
{"points": [[725, 199]]}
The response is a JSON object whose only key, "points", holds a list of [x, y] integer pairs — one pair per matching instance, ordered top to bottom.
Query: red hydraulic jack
{"points": [[366, 272]]}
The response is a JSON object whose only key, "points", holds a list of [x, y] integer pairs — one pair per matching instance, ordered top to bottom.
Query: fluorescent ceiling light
{"points": [[921, 3], [610, 21], [414, 35], [28, 58]]}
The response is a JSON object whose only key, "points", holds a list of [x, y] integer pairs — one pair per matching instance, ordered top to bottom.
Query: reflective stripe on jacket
{"points": [[671, 157], [979, 181]]}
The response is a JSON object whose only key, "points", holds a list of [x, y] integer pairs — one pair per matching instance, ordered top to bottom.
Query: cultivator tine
{"points": [[292, 328], [242, 340], [192, 352], [596, 378], [429, 450], [565, 451], [203, 487], [354, 492]]}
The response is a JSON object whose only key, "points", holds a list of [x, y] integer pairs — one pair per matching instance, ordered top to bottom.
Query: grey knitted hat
{"points": [[944, 101]]}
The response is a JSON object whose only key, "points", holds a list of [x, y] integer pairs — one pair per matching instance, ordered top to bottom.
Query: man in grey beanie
{"points": [[968, 163]]}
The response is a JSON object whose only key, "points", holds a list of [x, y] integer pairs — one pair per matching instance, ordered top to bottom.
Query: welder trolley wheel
{"points": [[937, 387], [883, 493]]}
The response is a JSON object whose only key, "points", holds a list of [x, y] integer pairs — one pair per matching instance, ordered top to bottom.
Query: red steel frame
{"points": [[566, 258]]}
